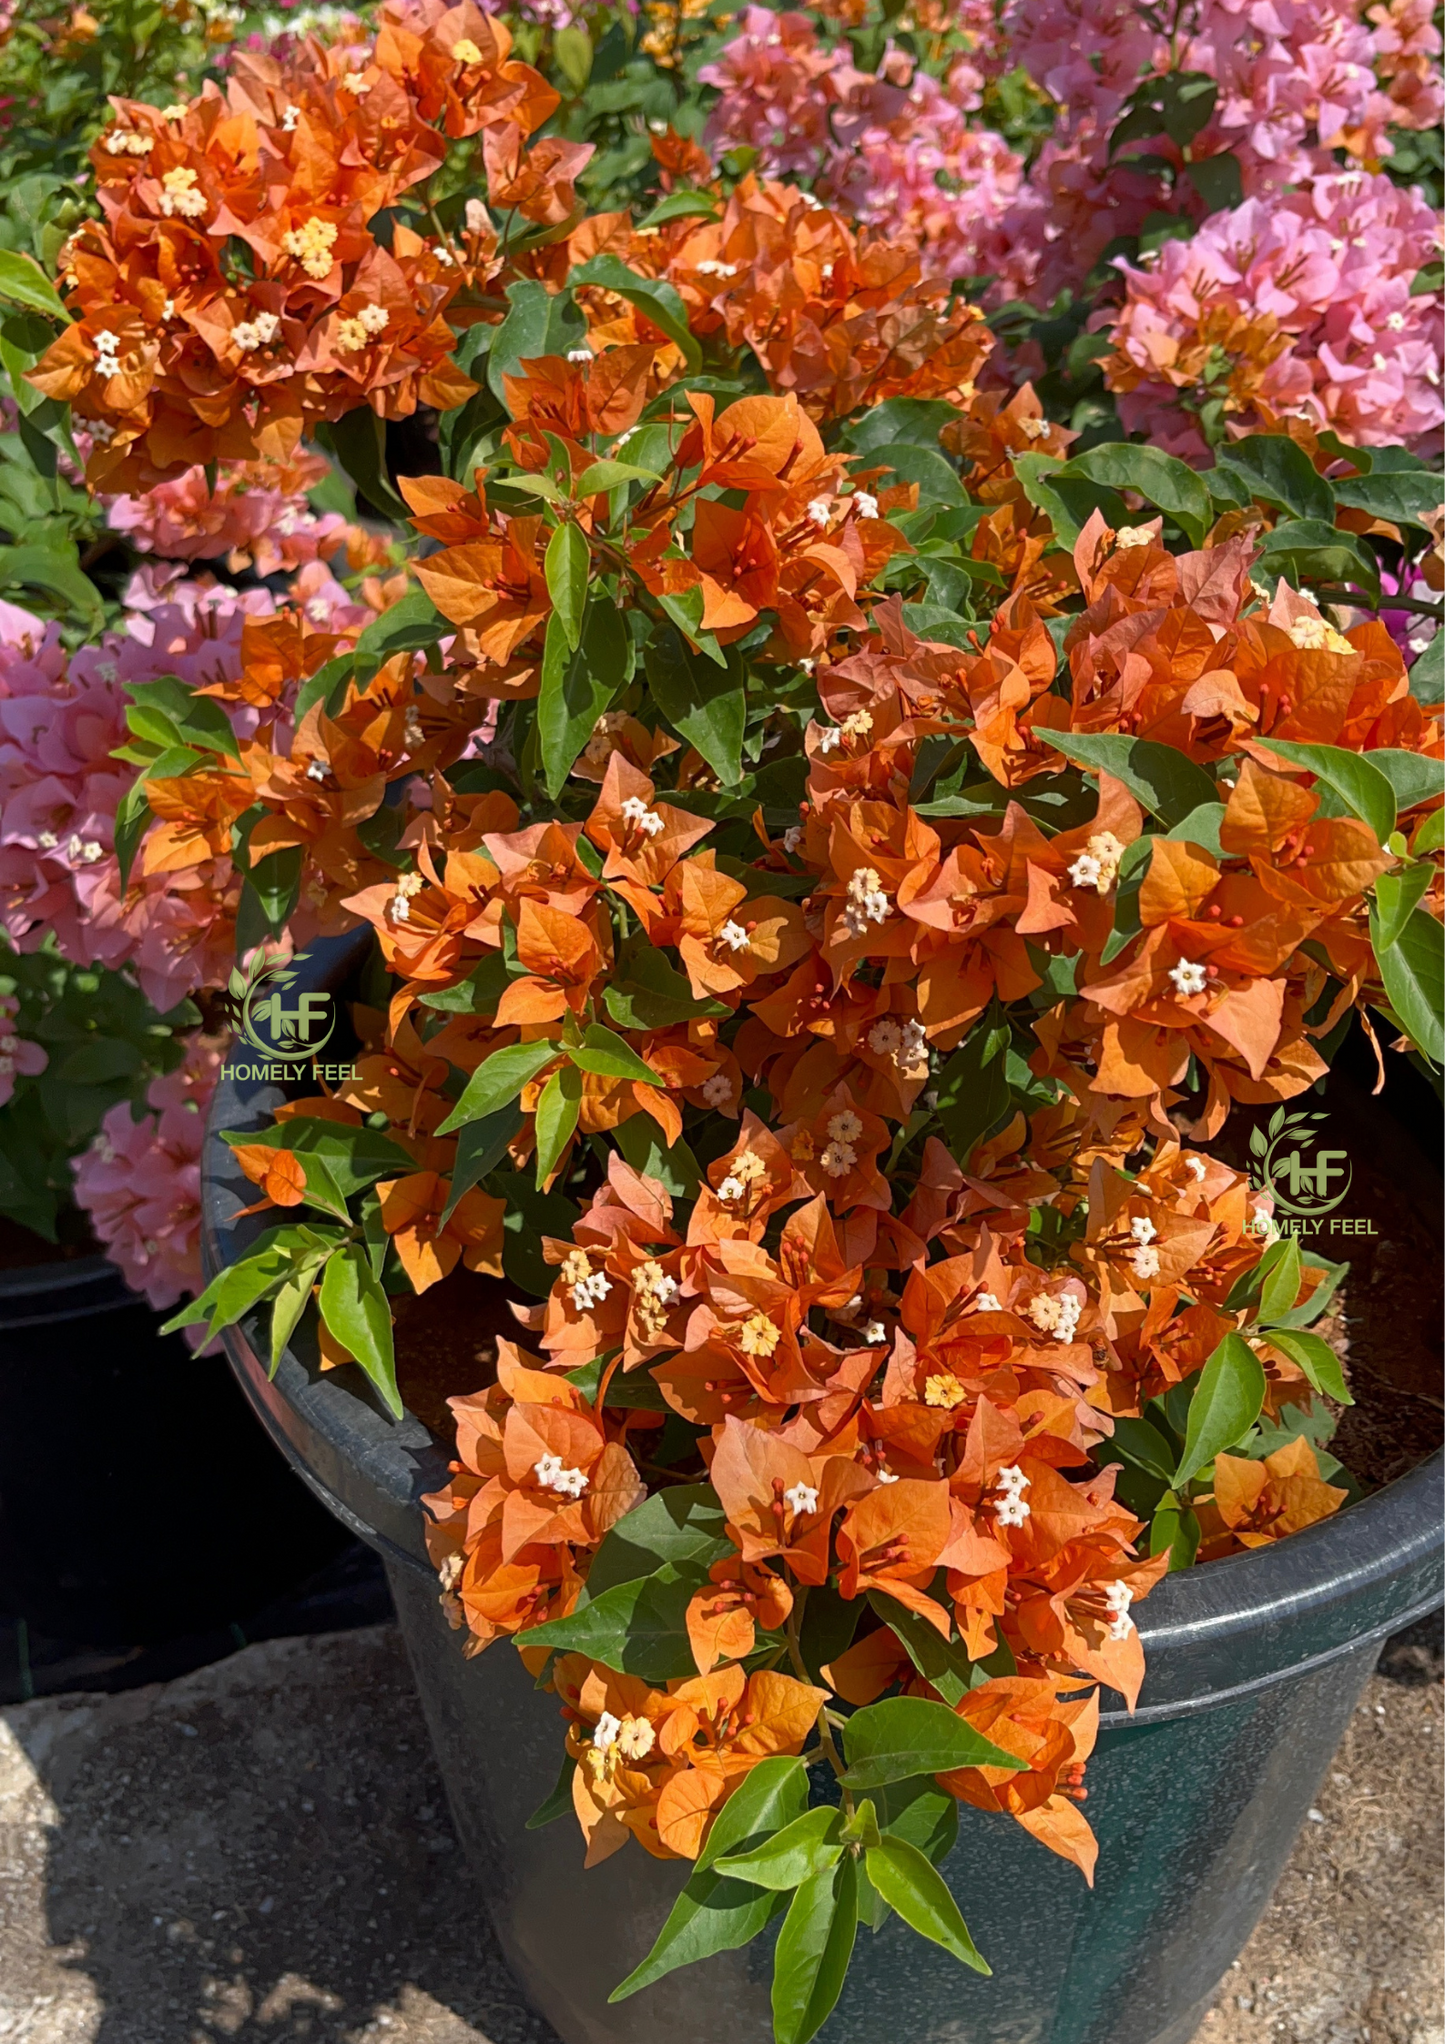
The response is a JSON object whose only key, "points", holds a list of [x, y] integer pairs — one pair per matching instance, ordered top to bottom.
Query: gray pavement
{"points": [[261, 1850]]}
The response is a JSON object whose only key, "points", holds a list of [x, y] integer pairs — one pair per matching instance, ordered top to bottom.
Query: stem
{"points": [[800, 1669]]}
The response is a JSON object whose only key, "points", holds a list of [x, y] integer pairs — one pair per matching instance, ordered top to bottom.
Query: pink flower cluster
{"points": [[1298, 79], [893, 150], [1299, 307], [256, 515], [61, 718], [19, 1057], [140, 1180]]}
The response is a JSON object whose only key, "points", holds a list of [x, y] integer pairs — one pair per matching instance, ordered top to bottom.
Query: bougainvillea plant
{"points": [[837, 855]]}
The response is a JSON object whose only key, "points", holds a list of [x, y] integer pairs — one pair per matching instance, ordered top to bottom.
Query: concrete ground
{"points": [[260, 1850]]}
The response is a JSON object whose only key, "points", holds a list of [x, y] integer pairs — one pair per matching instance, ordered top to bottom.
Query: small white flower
{"points": [[289, 117], [709, 268], [375, 318], [1396, 322], [579, 354], [867, 506], [820, 511], [1129, 536], [318, 610], [829, 737], [318, 770], [636, 812], [793, 838], [47, 840], [1085, 871], [866, 902], [734, 936], [1188, 978], [718, 1090], [838, 1159], [1196, 1168], [731, 1190], [1142, 1229], [1145, 1263], [986, 1303], [875, 1331], [552, 1475], [886, 1475], [1012, 1480], [801, 1499], [1011, 1510], [1118, 1597], [605, 1731]]}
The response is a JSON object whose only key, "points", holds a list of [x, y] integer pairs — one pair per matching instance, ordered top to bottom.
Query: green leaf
{"points": [[572, 48], [1179, 104], [1218, 180], [682, 205], [23, 282], [657, 301], [540, 322], [918, 421], [358, 440], [1276, 470], [607, 475], [936, 477], [1170, 484], [1404, 497], [1069, 502], [1309, 550], [43, 567], [568, 569], [685, 611], [406, 626], [577, 687], [704, 704], [1414, 776], [1164, 779], [1364, 790], [133, 817], [1201, 827], [275, 880], [1396, 897], [1413, 969], [649, 992], [607, 1055], [497, 1083], [973, 1088], [558, 1109], [481, 1146], [354, 1157], [674, 1165], [530, 1215], [1281, 1286], [234, 1291], [290, 1302], [358, 1314], [1316, 1358], [1226, 1403], [1142, 1445], [682, 1527], [1174, 1530], [636, 1628], [942, 1662], [906, 1735], [559, 1803], [920, 1812], [809, 1845], [907, 1881], [713, 1914], [811, 1957]]}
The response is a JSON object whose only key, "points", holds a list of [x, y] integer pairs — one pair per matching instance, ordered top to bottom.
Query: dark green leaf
{"points": [[1218, 180], [656, 300], [540, 322], [918, 421], [358, 440], [1276, 470], [608, 475], [936, 477], [1159, 478], [1405, 497], [1308, 550], [406, 626], [577, 687], [705, 705], [1414, 776], [1164, 779], [1364, 790], [1201, 827], [1413, 969], [648, 992], [606, 1054], [973, 1088], [481, 1146], [1316, 1358], [1225, 1405], [1142, 1445], [682, 1526], [1174, 1530], [637, 1628], [942, 1662], [559, 1803], [713, 1914], [811, 1957]]}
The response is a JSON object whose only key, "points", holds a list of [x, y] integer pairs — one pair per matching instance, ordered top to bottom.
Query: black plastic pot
{"points": [[139, 1500], [1255, 1665]]}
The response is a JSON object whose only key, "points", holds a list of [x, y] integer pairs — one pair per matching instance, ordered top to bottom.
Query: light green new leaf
{"points": [[25, 283], [606, 475], [568, 566], [1397, 896], [609, 1057], [497, 1083], [558, 1108], [1281, 1286], [357, 1313], [1316, 1358], [1225, 1405], [809, 1845], [919, 1893]]}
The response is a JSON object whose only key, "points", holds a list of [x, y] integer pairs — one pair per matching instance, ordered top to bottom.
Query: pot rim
{"points": [[1211, 1634]]}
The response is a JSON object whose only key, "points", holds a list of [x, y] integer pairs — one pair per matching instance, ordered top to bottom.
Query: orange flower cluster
{"points": [[234, 295]]}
